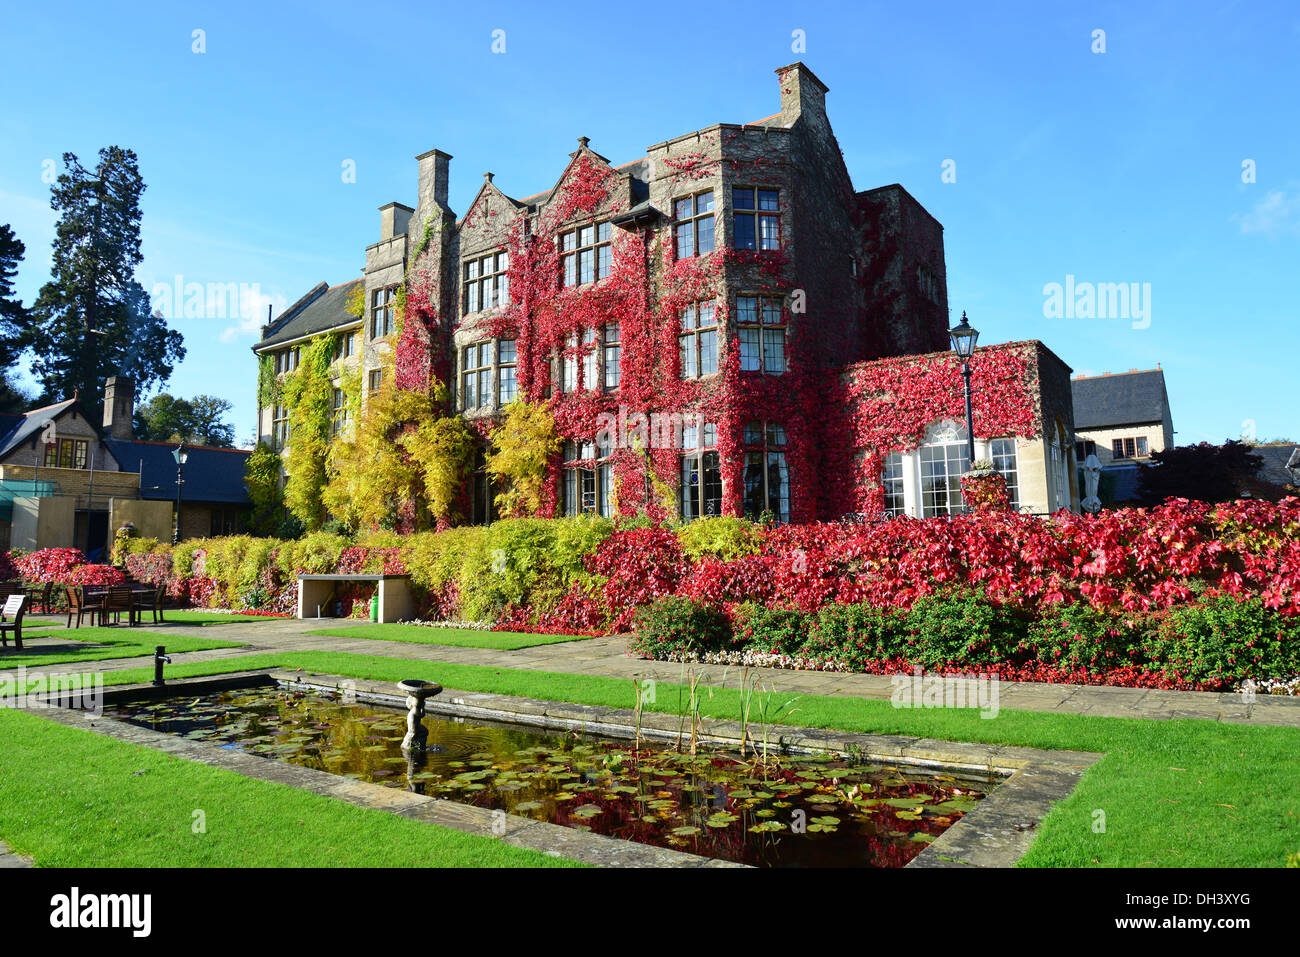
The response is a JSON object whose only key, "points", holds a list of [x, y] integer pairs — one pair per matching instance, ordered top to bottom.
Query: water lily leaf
{"points": [[687, 831]]}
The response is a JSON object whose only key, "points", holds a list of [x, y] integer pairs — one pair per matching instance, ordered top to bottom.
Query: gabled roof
{"points": [[322, 309], [1129, 398], [28, 424], [211, 474]]}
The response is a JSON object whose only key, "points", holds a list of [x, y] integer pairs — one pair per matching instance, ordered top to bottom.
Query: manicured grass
{"points": [[211, 617], [459, 637], [119, 642], [1179, 793], [73, 798]]}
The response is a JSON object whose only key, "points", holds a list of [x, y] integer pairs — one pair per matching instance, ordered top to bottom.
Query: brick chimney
{"points": [[119, 406]]}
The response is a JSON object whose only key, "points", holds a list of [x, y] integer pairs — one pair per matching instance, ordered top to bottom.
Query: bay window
{"points": [[755, 218], [693, 231], [760, 331], [698, 341]]}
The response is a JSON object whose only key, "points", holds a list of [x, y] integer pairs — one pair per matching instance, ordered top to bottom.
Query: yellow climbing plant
{"points": [[522, 445], [401, 450]]}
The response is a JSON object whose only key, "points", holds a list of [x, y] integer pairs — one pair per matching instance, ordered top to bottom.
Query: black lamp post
{"points": [[964, 336], [181, 457]]}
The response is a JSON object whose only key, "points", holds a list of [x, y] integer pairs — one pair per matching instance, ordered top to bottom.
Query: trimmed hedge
{"points": [[1213, 645]]}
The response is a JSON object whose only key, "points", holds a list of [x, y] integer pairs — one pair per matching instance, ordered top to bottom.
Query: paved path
{"points": [[607, 657], [10, 860]]}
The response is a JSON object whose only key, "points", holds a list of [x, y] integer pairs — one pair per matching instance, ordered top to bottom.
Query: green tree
{"points": [[92, 319], [15, 321], [199, 421]]}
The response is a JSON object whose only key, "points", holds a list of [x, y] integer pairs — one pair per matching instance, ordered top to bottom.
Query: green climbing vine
{"points": [[268, 384], [308, 393]]}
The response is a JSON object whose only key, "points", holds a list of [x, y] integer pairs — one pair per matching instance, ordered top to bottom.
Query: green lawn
{"points": [[460, 637], [118, 642], [1180, 793], [73, 798]]}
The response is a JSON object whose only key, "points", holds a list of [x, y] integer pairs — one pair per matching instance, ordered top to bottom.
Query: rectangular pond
{"points": [[787, 811]]}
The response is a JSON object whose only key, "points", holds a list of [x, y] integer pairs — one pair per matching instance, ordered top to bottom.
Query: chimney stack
{"points": [[801, 92], [434, 168], [394, 218], [119, 406]]}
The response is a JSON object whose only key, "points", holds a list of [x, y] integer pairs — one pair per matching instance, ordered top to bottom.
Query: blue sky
{"points": [[1123, 166]]}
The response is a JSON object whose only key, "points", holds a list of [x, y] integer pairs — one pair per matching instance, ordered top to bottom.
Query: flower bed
{"points": [[1178, 595]]}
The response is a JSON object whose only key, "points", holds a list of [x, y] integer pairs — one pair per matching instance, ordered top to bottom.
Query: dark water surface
{"points": [[803, 811]]}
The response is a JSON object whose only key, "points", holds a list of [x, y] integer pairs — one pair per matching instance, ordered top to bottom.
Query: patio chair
{"points": [[11, 588], [40, 596], [118, 599], [152, 602], [81, 606], [13, 608]]}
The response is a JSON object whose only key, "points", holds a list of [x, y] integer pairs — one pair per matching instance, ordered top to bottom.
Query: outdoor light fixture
{"points": [[963, 337], [181, 456]]}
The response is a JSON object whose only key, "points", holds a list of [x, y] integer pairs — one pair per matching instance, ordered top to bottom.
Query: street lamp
{"points": [[964, 336], [181, 457]]}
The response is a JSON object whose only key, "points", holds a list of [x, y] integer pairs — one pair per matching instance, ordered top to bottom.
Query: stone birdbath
{"points": [[417, 692]]}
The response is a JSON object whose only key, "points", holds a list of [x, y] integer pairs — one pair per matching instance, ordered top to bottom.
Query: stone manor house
{"points": [[754, 290]]}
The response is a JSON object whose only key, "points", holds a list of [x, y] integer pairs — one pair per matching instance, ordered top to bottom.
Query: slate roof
{"points": [[323, 308], [1129, 398], [22, 427], [1277, 458], [211, 474]]}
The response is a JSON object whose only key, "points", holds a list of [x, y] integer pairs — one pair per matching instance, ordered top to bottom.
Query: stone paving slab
{"points": [[10, 860]]}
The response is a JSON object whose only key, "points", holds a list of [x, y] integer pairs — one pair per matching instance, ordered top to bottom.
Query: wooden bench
{"points": [[316, 593], [14, 607]]}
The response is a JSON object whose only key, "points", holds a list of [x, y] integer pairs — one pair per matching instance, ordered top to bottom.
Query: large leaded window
{"points": [[755, 218], [693, 231], [585, 254], [486, 282], [383, 307], [760, 330], [697, 342], [476, 375], [507, 383], [280, 425], [942, 467], [701, 474], [767, 476], [586, 479]]}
